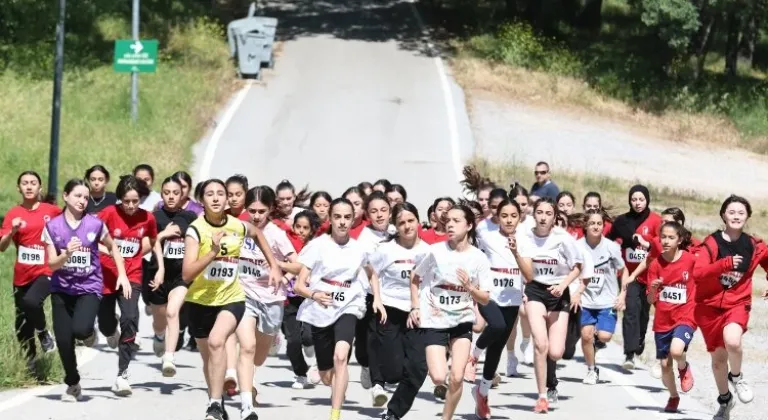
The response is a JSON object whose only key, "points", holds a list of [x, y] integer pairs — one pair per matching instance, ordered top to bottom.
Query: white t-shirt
{"points": [[151, 201], [527, 224], [486, 225], [554, 256], [393, 264], [254, 269], [338, 270], [506, 277], [603, 287], [443, 301]]}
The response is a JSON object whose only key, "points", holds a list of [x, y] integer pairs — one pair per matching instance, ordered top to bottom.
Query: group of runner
{"points": [[235, 265]]}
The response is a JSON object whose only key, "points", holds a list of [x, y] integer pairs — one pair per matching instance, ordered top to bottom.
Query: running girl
{"points": [[146, 173], [97, 177], [183, 179], [237, 185], [478, 186], [396, 194], [519, 194], [355, 196], [496, 196], [287, 201], [593, 201], [320, 202], [23, 225], [134, 231], [634, 231], [437, 232], [72, 240], [506, 250], [727, 260], [557, 262], [332, 280], [671, 281], [446, 283], [167, 292], [602, 295], [215, 298], [263, 298], [399, 352]]}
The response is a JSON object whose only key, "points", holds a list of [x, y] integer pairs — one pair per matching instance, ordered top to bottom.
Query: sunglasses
{"points": [[540, 172]]}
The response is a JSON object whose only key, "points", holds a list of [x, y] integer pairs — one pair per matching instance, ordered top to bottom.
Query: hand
{"points": [[16, 224], [171, 231], [216, 240], [642, 242], [512, 243], [73, 245], [736, 260], [275, 278], [464, 278], [157, 281], [123, 283], [657, 283], [556, 290], [765, 294], [323, 298], [525, 299], [576, 301], [621, 302], [378, 308], [413, 319]]}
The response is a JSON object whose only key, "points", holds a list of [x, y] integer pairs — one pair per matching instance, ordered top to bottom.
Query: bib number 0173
{"points": [[450, 300]]}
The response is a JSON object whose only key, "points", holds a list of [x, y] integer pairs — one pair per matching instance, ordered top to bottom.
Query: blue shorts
{"points": [[602, 319], [664, 340]]}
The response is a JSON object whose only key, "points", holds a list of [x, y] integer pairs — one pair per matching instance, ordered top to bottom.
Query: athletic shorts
{"points": [[538, 292], [160, 296], [269, 316], [202, 318], [602, 319], [712, 322], [444, 336], [325, 339], [664, 339]]}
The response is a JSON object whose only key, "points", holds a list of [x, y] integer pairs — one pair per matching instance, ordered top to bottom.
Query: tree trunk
{"points": [[748, 40], [702, 44], [732, 44]]}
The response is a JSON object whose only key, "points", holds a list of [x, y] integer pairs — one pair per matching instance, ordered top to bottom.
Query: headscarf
{"points": [[625, 226]]}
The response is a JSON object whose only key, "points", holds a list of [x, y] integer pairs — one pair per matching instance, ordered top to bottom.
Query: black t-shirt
{"points": [[99, 204], [163, 217], [742, 246]]}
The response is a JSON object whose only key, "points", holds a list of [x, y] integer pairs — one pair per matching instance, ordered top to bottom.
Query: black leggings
{"points": [[30, 315], [636, 317], [73, 319], [500, 322], [129, 323], [297, 334], [362, 344], [402, 359]]}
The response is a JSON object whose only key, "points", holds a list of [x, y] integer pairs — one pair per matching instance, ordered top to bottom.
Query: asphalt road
{"points": [[355, 95]]}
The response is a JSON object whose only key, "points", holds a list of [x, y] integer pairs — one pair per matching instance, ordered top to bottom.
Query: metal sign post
{"points": [[53, 159]]}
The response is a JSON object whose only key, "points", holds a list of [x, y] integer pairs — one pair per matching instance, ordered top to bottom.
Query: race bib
{"points": [[128, 248], [173, 250], [635, 255], [31, 256], [79, 259], [544, 268], [250, 269], [221, 270], [504, 278], [730, 279], [503, 282], [596, 283], [339, 290], [674, 295], [451, 298]]}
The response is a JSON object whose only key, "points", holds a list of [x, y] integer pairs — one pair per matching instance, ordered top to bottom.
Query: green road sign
{"points": [[135, 56]]}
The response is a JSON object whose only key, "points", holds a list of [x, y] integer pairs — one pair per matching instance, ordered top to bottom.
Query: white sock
{"points": [[160, 336], [525, 341], [476, 352], [168, 355], [231, 373], [485, 386], [246, 400], [211, 401]]}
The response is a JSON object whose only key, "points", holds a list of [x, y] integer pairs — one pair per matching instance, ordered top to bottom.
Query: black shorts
{"points": [[538, 292], [160, 296], [202, 318], [444, 336], [325, 339]]}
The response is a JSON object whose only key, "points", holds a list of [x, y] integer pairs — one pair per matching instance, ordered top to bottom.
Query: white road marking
{"points": [[450, 110], [221, 127], [84, 355], [628, 385]]}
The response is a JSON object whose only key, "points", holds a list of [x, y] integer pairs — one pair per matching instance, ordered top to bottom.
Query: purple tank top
{"points": [[81, 274]]}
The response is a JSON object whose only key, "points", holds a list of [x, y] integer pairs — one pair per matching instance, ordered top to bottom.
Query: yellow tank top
{"points": [[218, 284]]}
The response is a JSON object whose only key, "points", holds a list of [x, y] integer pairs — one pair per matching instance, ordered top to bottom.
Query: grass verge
{"points": [[176, 105]]}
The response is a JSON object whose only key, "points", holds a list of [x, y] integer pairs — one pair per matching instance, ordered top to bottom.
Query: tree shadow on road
{"points": [[357, 20], [348, 405]]}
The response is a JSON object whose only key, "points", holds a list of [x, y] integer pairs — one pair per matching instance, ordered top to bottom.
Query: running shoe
{"points": [[114, 339], [92, 340], [47, 343], [275, 345], [158, 346], [526, 348], [629, 362], [512, 363], [169, 367], [656, 369], [470, 372], [365, 378], [592, 378], [686, 378], [496, 381], [301, 382], [230, 384], [122, 388], [742, 388], [440, 391], [73, 393], [552, 396], [378, 397], [672, 404], [542, 406], [482, 410], [215, 412], [724, 412], [248, 414], [389, 416]]}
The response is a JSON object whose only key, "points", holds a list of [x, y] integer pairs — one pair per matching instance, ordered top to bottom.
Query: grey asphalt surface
{"points": [[353, 97]]}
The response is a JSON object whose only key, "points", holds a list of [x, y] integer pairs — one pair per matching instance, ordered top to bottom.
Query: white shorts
{"points": [[269, 316]]}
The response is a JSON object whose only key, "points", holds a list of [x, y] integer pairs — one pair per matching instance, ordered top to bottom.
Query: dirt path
{"points": [[507, 131]]}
